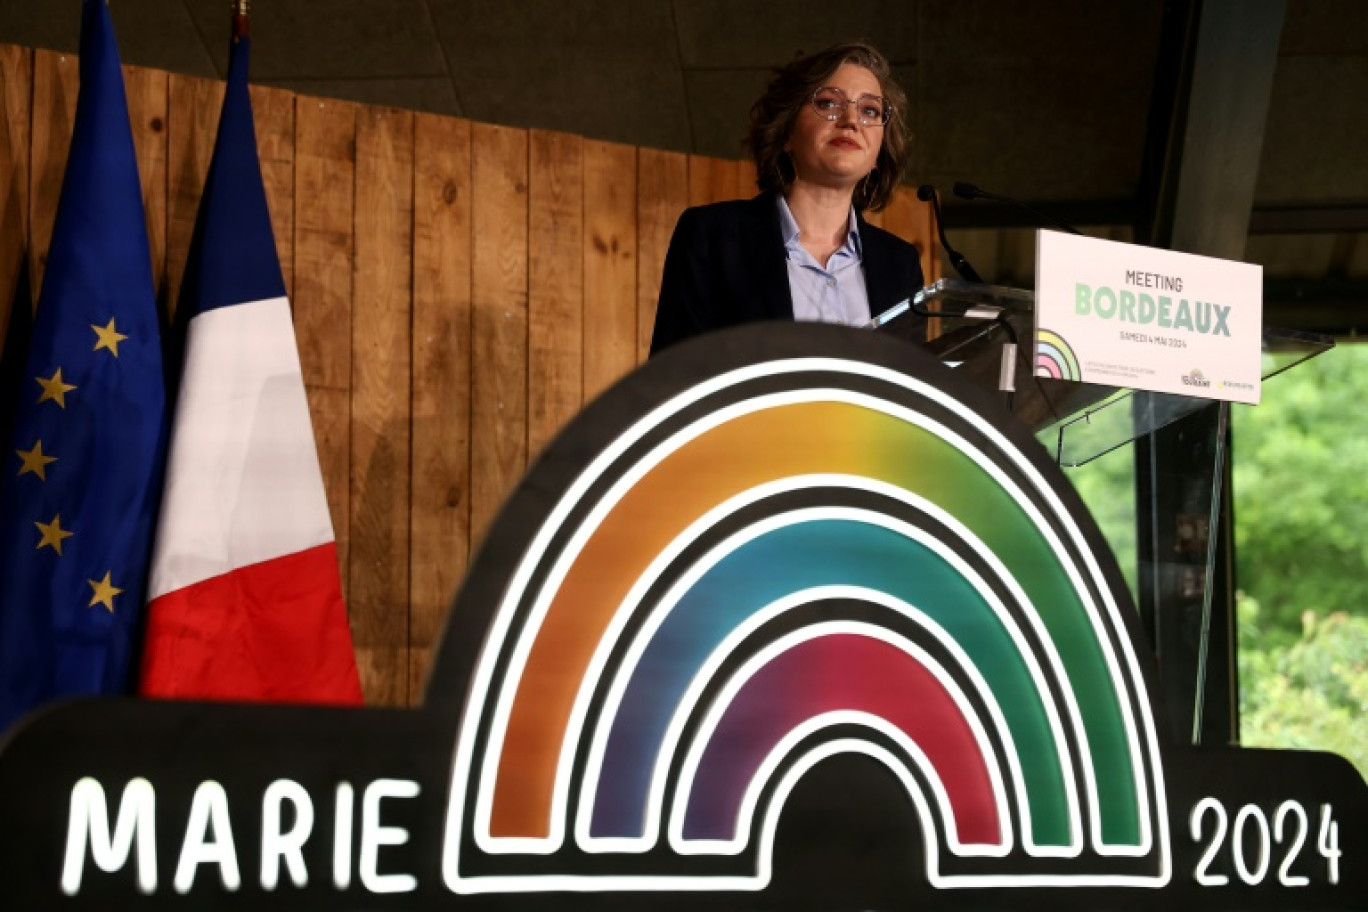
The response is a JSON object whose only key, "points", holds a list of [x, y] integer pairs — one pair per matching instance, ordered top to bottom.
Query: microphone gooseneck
{"points": [[968, 191], [927, 193]]}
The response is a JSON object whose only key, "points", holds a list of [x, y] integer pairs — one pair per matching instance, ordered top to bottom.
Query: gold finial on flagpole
{"points": [[240, 21]]}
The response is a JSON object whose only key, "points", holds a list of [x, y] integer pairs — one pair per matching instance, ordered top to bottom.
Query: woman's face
{"points": [[837, 153]]}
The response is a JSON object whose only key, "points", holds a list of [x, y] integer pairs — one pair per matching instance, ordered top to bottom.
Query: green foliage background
{"points": [[1301, 532], [1301, 549], [1311, 694]]}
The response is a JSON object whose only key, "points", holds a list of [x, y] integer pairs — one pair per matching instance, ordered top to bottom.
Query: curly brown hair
{"points": [[773, 114]]}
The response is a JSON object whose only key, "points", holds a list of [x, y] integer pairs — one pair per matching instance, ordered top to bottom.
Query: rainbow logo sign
{"points": [[1054, 357], [785, 561], [791, 618]]}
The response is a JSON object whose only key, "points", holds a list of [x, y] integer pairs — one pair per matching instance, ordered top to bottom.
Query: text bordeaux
{"points": [[1143, 309]]}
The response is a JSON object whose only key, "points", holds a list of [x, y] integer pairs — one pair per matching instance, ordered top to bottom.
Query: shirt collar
{"points": [[788, 227], [853, 236]]}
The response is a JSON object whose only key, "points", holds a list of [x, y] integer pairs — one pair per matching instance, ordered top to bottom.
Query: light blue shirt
{"points": [[835, 293]]}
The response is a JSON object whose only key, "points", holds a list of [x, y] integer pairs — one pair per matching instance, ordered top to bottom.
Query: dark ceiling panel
{"points": [[54, 26], [1325, 27], [1119, 32], [151, 33], [728, 34], [327, 39], [607, 71], [1045, 100], [1037, 106], [719, 108], [1035, 129], [1314, 146], [1293, 256], [1357, 263]]}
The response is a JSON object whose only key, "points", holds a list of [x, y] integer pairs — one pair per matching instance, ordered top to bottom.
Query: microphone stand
{"points": [[968, 191], [927, 194], [994, 314], [1007, 373]]}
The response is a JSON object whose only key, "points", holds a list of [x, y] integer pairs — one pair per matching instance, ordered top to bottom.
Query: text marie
{"points": [[1143, 309], [124, 835]]}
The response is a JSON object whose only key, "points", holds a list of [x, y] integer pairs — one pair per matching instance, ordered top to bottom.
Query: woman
{"points": [[829, 142]]}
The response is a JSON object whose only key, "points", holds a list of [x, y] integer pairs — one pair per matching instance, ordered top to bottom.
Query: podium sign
{"points": [[1144, 318], [788, 619]]}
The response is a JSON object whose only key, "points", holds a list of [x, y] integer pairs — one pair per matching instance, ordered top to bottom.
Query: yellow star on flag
{"points": [[109, 337], [54, 388], [35, 461], [53, 534], [104, 593]]}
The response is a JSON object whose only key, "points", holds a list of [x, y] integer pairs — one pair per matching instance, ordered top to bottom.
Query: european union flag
{"points": [[82, 475]]}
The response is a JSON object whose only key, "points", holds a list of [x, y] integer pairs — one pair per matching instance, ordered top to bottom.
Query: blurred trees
{"points": [[1301, 494], [1301, 531], [1311, 695]]}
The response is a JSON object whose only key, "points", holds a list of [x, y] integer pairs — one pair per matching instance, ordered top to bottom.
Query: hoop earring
{"points": [[786, 174], [867, 188]]}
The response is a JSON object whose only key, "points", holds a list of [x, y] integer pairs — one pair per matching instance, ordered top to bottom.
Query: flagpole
{"points": [[240, 19]]}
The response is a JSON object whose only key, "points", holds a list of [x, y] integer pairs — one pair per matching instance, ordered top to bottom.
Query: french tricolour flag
{"points": [[245, 600]]}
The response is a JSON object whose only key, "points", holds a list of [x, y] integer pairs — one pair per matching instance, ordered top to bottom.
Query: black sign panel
{"points": [[790, 618]]}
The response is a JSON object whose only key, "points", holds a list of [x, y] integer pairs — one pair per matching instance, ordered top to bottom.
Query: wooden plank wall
{"points": [[460, 290]]}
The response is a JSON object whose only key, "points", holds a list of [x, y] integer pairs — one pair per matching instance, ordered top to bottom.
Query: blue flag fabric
{"points": [[233, 253], [82, 474]]}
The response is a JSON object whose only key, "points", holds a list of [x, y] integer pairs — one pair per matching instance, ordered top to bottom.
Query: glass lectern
{"points": [[986, 332]]}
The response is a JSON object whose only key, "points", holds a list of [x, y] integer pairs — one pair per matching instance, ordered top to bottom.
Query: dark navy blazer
{"points": [[726, 265]]}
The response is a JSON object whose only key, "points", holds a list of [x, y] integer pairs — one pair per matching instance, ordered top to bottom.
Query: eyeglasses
{"points": [[870, 110]]}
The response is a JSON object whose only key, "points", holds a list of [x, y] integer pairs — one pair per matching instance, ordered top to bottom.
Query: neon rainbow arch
{"points": [[787, 561]]}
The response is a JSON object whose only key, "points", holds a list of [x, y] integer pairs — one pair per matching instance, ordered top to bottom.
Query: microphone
{"points": [[969, 191], [927, 193], [960, 310], [990, 313]]}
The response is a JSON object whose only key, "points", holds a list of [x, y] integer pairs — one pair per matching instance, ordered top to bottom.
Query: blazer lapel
{"points": [[764, 243], [881, 279]]}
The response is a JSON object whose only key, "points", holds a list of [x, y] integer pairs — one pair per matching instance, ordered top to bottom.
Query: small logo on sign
{"points": [[1054, 357], [1194, 378]]}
